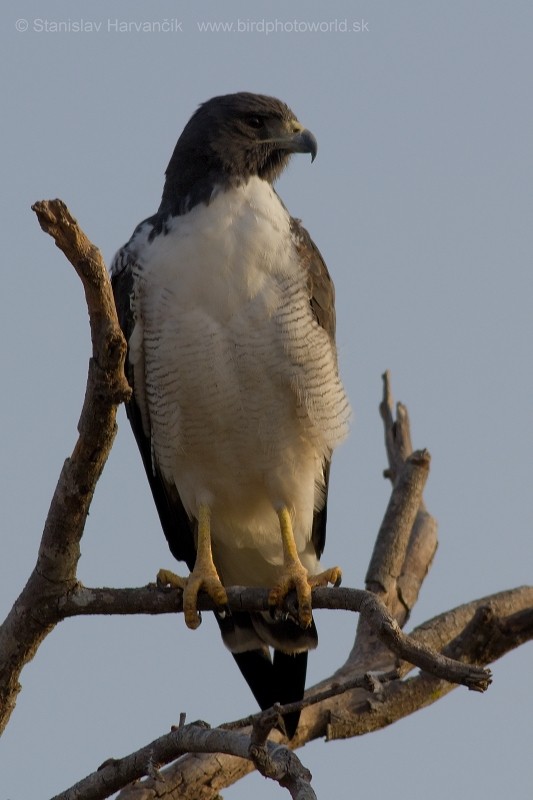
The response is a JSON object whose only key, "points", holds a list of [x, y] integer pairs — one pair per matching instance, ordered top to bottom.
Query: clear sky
{"points": [[420, 201]]}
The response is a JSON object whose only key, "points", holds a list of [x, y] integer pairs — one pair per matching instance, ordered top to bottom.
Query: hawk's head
{"points": [[233, 137]]}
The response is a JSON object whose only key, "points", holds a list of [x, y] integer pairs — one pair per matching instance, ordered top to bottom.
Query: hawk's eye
{"points": [[254, 122]]}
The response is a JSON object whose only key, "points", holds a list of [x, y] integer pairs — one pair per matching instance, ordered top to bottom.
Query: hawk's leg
{"points": [[204, 575], [295, 576]]}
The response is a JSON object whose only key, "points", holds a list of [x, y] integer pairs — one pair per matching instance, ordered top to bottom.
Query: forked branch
{"points": [[55, 570], [451, 648]]}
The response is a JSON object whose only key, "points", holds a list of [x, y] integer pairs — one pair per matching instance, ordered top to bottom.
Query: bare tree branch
{"points": [[397, 431], [407, 539], [391, 544], [422, 544], [55, 571], [242, 599], [486, 636], [452, 647], [394, 699], [356, 711], [274, 761]]}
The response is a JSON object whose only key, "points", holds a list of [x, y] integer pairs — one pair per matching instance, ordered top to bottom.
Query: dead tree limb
{"points": [[407, 540], [55, 571], [368, 605], [450, 648], [357, 710], [273, 760]]}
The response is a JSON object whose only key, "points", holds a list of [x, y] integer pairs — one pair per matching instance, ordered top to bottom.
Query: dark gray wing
{"points": [[322, 300], [177, 527]]}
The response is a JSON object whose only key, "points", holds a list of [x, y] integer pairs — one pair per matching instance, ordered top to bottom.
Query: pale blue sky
{"points": [[420, 201]]}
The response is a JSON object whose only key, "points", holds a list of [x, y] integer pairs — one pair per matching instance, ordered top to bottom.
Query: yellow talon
{"points": [[204, 575], [332, 575], [295, 576], [167, 578]]}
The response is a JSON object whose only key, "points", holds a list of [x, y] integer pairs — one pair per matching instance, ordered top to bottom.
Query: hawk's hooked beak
{"points": [[298, 140], [303, 141]]}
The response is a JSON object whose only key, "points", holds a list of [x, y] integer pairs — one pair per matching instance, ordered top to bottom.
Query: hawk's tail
{"points": [[279, 681]]}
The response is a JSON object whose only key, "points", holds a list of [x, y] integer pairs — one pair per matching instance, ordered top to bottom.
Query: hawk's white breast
{"points": [[237, 381]]}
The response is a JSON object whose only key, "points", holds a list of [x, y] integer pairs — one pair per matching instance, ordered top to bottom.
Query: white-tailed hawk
{"points": [[228, 310]]}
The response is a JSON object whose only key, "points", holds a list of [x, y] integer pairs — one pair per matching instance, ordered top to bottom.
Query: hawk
{"points": [[237, 405]]}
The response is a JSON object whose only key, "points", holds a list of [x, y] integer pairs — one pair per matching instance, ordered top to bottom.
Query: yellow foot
{"points": [[204, 575], [332, 575], [295, 576], [167, 578], [199, 579]]}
